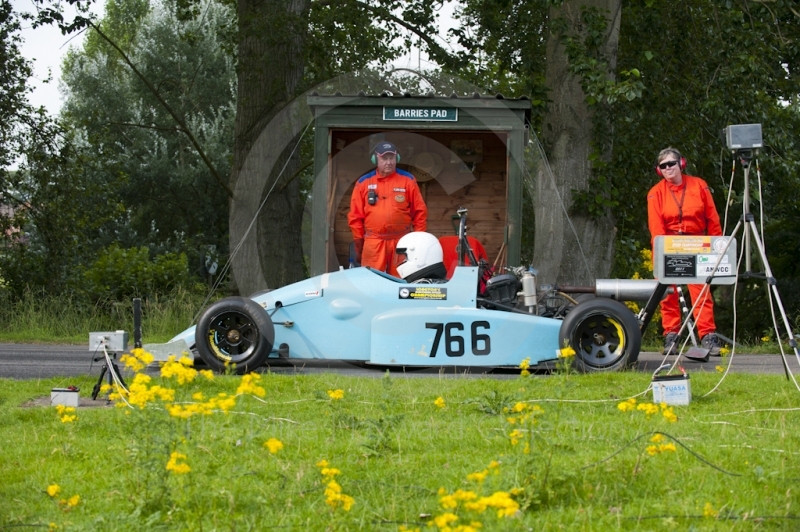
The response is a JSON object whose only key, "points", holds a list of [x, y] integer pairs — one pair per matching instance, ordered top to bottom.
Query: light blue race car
{"points": [[364, 315]]}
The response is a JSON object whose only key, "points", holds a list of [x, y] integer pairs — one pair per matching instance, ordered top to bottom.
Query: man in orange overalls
{"points": [[386, 204], [682, 205]]}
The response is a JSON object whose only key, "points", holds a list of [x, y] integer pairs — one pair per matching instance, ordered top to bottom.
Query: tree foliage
{"points": [[14, 73], [172, 200]]}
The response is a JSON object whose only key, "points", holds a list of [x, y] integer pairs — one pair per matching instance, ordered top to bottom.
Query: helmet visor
{"points": [[400, 257]]}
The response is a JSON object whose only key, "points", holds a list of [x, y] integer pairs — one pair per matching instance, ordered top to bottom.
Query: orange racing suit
{"points": [[685, 209], [398, 210]]}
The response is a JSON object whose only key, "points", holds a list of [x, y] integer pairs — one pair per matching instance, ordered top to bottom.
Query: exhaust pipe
{"points": [[619, 289], [625, 289]]}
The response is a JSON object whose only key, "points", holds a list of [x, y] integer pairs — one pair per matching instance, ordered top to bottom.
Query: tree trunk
{"points": [[272, 36], [567, 132]]}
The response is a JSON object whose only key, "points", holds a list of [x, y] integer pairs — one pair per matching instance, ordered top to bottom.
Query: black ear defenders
{"points": [[375, 159]]}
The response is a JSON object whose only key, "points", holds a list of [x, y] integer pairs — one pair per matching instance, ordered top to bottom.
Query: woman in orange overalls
{"points": [[682, 205]]}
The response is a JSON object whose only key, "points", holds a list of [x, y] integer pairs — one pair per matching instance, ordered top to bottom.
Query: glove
{"points": [[359, 248]]}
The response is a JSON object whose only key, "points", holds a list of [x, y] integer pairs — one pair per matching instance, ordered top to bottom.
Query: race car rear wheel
{"points": [[234, 334], [604, 334]]}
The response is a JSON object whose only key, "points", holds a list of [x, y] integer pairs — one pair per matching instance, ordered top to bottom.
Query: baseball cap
{"points": [[385, 147]]}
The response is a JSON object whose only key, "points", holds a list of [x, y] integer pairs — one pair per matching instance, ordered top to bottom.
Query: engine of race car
{"points": [[503, 289], [516, 291]]}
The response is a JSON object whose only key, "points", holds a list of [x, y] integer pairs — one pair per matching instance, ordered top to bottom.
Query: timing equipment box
{"points": [[743, 136], [684, 259], [116, 341]]}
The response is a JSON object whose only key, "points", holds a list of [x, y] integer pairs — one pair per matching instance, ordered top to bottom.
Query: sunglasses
{"points": [[668, 164]]}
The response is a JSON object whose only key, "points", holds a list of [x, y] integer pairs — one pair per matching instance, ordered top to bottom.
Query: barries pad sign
{"points": [[425, 114]]}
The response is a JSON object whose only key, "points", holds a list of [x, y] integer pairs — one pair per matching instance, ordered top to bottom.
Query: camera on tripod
{"points": [[743, 137]]}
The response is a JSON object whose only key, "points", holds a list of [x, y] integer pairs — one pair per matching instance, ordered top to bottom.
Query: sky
{"points": [[45, 47]]}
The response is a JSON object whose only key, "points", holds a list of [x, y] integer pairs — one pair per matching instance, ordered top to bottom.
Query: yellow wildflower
{"points": [[647, 259], [632, 304], [765, 339], [724, 351], [566, 352], [143, 355], [137, 360], [132, 363], [524, 366], [179, 369], [719, 369], [207, 373], [249, 386], [335, 395], [198, 396], [440, 402], [626, 406], [648, 408], [66, 413], [669, 415], [515, 436], [657, 438], [274, 445], [667, 447], [652, 450], [323, 463], [176, 467], [329, 472], [479, 476], [53, 490], [335, 498], [500, 500], [73, 501], [448, 502], [709, 511], [445, 520]]}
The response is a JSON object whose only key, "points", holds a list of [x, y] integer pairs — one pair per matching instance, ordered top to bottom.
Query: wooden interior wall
{"points": [[483, 189]]}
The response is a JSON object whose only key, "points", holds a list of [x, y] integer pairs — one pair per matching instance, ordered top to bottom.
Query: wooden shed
{"points": [[464, 152]]}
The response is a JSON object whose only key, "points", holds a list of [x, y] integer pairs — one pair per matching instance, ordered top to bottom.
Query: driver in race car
{"points": [[386, 205]]}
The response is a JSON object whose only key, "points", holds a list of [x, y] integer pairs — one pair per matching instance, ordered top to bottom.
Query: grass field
{"points": [[331, 452]]}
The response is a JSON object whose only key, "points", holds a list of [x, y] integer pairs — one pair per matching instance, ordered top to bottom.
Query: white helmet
{"points": [[419, 255]]}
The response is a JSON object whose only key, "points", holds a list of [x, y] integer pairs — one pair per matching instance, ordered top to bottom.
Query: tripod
{"points": [[748, 225], [109, 370]]}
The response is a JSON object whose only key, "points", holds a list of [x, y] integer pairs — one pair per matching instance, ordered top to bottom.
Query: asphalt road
{"points": [[36, 361]]}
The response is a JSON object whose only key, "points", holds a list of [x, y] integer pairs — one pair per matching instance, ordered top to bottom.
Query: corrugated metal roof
{"points": [[387, 94]]}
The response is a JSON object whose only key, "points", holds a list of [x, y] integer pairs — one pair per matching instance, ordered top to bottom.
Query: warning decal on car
{"points": [[424, 292]]}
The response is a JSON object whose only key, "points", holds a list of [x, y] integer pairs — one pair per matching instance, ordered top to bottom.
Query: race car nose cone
{"points": [[233, 336]]}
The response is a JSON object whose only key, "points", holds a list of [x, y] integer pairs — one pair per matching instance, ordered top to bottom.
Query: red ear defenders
{"points": [[375, 159], [681, 161]]}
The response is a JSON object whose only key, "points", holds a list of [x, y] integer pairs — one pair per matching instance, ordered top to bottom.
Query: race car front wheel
{"points": [[234, 334], [604, 334]]}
